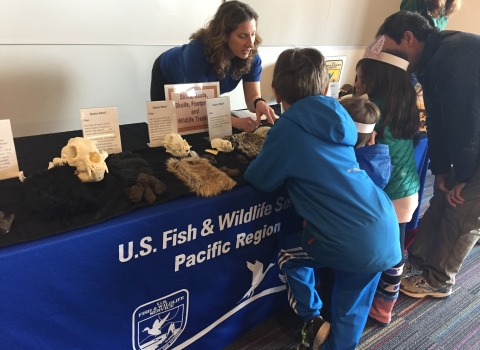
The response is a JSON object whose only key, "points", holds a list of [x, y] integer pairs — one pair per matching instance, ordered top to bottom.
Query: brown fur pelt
{"points": [[249, 143], [200, 176], [148, 187]]}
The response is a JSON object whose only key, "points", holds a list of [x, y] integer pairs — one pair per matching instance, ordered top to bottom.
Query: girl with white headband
{"points": [[383, 77]]}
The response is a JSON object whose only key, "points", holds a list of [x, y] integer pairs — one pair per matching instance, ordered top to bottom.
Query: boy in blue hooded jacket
{"points": [[350, 221]]}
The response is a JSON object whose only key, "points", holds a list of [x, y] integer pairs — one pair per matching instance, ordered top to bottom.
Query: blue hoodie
{"points": [[376, 162], [351, 223]]}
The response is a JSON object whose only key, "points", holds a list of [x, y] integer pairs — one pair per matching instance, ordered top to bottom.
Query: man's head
{"points": [[406, 31], [299, 73]]}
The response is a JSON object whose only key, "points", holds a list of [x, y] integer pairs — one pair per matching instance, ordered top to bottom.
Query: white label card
{"points": [[335, 66], [190, 104], [162, 120], [219, 121], [101, 125], [8, 156]]}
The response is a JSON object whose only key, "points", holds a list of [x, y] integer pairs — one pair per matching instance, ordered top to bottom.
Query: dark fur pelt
{"points": [[248, 142], [126, 166], [200, 176], [58, 193]]}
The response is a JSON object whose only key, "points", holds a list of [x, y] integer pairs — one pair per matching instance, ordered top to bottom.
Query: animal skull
{"points": [[262, 131], [222, 145], [176, 146], [85, 156]]}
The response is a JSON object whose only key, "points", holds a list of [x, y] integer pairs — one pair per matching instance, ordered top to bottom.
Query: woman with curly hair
{"points": [[225, 50]]}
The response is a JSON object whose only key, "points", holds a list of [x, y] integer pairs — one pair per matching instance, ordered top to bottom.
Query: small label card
{"points": [[335, 71], [190, 104], [162, 120], [219, 122], [101, 125], [8, 156]]}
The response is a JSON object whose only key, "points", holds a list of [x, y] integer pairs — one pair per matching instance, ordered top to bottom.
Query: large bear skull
{"points": [[176, 146], [85, 156]]}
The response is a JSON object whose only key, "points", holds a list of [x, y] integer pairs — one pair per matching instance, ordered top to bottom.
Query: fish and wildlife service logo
{"points": [[158, 324]]}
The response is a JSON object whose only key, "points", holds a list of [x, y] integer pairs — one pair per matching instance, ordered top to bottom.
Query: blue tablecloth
{"points": [[191, 272]]}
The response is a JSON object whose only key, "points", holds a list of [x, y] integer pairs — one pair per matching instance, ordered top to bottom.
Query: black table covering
{"points": [[35, 152]]}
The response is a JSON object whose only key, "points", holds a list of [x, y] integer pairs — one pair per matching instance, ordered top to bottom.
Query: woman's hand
{"points": [[251, 89], [263, 108], [244, 124]]}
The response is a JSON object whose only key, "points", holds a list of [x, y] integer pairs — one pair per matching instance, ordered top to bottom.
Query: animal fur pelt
{"points": [[248, 142], [126, 166], [200, 176], [148, 187], [58, 193], [5, 222]]}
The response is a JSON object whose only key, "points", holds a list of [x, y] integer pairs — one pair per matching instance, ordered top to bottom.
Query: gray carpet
{"points": [[447, 324]]}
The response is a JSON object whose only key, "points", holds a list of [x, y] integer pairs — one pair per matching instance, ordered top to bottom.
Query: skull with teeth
{"points": [[176, 146], [85, 156]]}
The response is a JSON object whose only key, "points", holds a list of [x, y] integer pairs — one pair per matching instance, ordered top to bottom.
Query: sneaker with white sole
{"points": [[409, 270], [417, 287], [314, 334]]}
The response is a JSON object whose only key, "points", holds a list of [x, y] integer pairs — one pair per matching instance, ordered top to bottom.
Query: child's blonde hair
{"points": [[361, 111]]}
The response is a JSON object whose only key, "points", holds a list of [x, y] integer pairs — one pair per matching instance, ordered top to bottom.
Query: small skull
{"points": [[262, 131], [222, 145], [176, 146], [85, 156]]}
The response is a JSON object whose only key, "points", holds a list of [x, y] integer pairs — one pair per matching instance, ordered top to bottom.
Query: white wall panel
{"points": [[145, 22], [287, 22], [321, 22], [356, 22], [42, 87]]}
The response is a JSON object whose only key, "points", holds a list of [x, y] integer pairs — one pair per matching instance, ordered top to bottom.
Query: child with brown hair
{"points": [[383, 77], [350, 222]]}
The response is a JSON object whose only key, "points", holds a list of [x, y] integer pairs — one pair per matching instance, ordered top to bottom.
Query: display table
{"points": [[190, 272]]}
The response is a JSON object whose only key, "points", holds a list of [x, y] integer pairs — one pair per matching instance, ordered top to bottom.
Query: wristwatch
{"points": [[256, 100]]}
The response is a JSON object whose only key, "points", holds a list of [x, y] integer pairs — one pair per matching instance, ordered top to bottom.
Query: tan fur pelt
{"points": [[248, 143], [200, 176]]}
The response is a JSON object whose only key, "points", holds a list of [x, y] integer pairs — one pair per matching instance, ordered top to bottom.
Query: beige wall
{"points": [[467, 19], [57, 57]]}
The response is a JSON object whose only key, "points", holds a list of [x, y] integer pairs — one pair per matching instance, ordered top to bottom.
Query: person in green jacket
{"points": [[436, 11], [383, 77]]}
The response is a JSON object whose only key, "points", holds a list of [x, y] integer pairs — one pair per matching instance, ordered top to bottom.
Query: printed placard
{"points": [[335, 69], [190, 105], [162, 120], [219, 120], [101, 126], [8, 156]]}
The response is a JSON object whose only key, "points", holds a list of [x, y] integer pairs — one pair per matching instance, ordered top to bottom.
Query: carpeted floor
{"points": [[447, 324]]}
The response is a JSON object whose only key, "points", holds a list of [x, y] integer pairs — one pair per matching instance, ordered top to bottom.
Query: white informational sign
{"points": [[335, 66], [190, 105], [162, 120], [219, 121], [101, 125], [8, 156]]}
